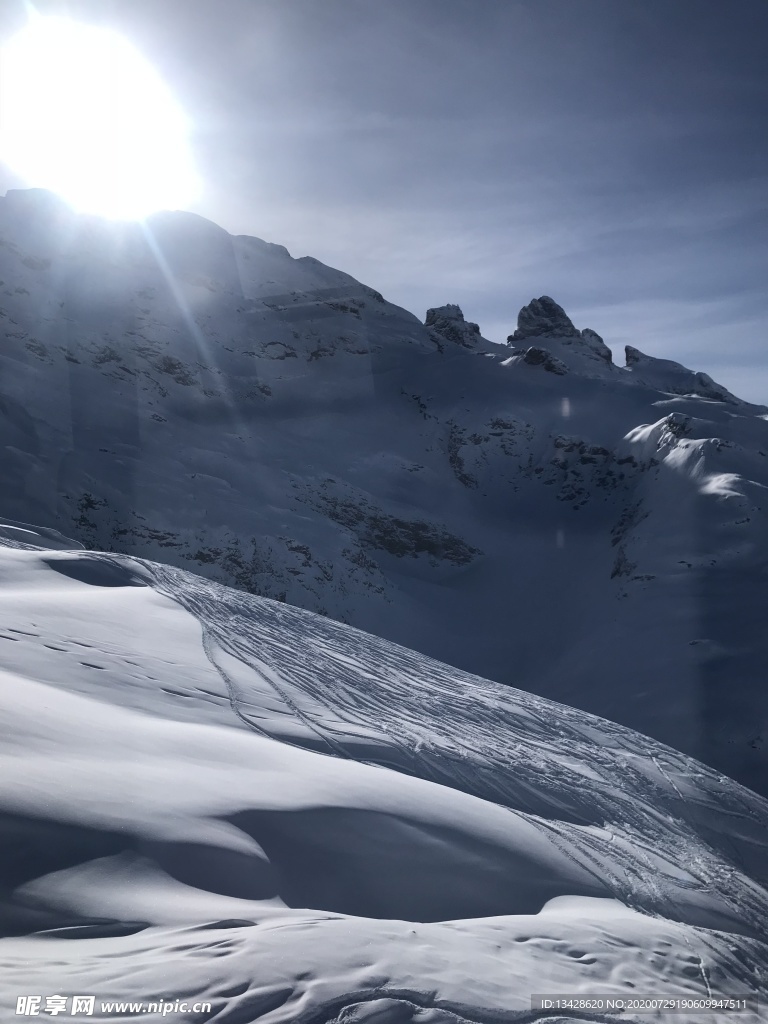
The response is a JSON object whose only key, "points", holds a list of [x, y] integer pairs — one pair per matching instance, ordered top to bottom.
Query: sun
{"points": [[83, 114]]}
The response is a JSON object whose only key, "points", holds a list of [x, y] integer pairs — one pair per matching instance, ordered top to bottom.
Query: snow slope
{"points": [[537, 514], [212, 796]]}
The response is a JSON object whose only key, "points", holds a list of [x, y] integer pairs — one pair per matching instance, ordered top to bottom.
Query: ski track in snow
{"points": [[474, 739], [673, 852]]}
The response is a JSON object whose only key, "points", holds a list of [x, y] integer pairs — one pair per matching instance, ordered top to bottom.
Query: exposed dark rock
{"points": [[543, 318], [448, 321], [596, 344], [633, 355], [535, 356], [678, 424], [400, 537]]}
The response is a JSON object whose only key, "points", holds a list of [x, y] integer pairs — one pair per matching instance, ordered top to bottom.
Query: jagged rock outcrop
{"points": [[543, 318], [448, 321], [596, 345], [535, 356], [634, 357]]}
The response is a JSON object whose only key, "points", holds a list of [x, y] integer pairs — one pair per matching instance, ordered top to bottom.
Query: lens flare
{"points": [[83, 114]]}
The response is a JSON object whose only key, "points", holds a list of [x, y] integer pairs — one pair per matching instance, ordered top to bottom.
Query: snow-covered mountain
{"points": [[536, 514], [214, 798]]}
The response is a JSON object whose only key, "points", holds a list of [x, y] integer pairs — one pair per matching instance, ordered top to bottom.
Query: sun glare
{"points": [[83, 114]]}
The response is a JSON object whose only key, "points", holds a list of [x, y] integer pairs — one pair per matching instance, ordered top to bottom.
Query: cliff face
{"points": [[536, 514]]}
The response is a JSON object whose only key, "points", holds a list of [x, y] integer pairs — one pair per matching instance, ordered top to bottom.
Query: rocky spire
{"points": [[544, 318], [448, 321]]}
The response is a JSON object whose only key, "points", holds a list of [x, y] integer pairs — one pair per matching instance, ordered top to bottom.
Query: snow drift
{"points": [[208, 795]]}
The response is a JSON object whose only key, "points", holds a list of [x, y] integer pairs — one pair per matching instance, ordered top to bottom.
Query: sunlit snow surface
{"points": [[211, 796]]}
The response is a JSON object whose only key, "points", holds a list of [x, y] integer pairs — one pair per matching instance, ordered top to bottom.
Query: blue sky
{"points": [[610, 153]]}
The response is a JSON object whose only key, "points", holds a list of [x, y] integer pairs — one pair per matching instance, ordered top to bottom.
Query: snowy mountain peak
{"points": [[544, 318], [450, 324], [559, 343]]}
